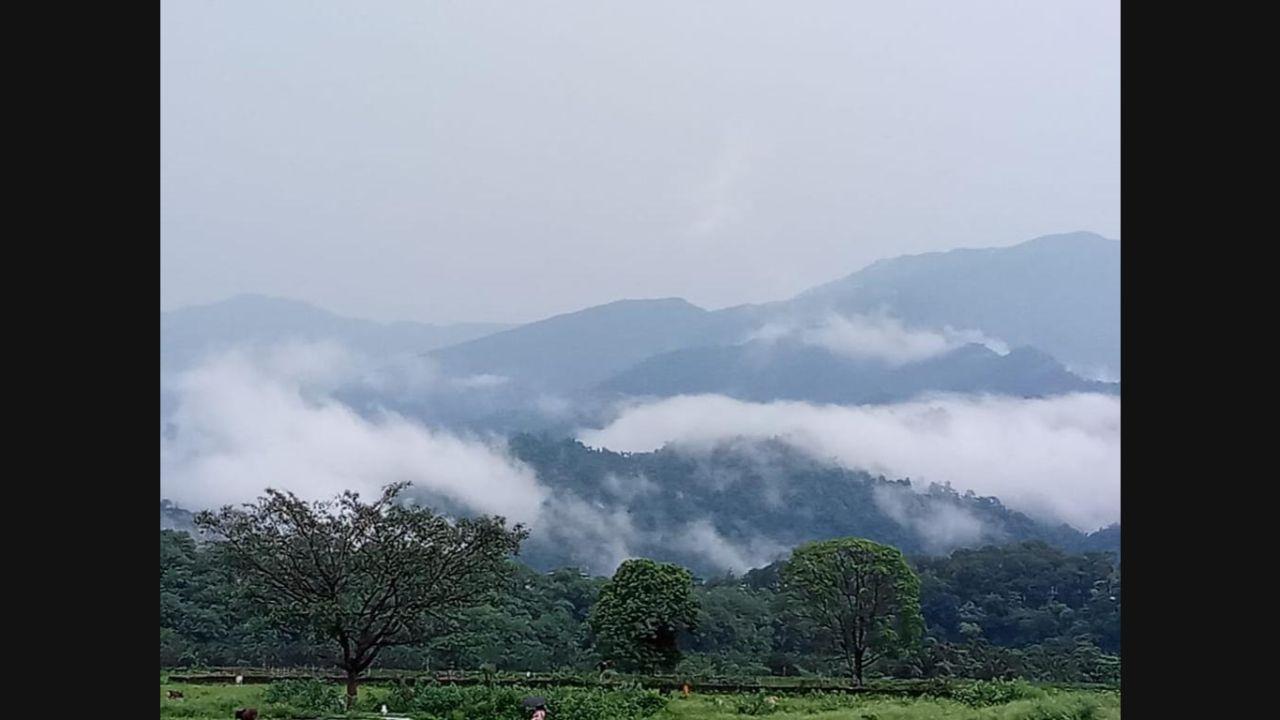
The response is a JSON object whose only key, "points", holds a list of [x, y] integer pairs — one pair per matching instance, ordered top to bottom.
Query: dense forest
{"points": [[1019, 610]]}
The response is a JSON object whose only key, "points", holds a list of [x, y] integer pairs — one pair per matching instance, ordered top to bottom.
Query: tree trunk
{"points": [[857, 667], [352, 686]]}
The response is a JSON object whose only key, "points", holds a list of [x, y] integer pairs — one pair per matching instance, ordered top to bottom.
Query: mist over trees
{"points": [[761, 499], [735, 506]]}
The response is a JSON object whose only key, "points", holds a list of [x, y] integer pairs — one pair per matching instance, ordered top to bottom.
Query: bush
{"points": [[985, 693], [308, 696], [450, 702], [595, 704], [758, 704], [1063, 707]]}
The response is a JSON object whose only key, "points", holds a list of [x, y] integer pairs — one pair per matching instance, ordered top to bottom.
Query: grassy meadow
{"points": [[295, 700]]}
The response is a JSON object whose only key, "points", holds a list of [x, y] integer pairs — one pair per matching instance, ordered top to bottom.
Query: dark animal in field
{"points": [[175, 695], [247, 714]]}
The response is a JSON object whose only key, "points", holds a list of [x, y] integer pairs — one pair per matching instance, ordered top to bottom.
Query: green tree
{"points": [[364, 576], [863, 594], [641, 613]]}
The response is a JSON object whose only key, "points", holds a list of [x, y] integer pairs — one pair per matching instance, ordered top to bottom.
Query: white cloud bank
{"points": [[876, 337], [254, 418], [247, 420], [244, 421], [1057, 458], [940, 526], [601, 537], [701, 538]]}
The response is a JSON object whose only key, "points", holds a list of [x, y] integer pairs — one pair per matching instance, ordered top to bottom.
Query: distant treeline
{"points": [[1020, 610]]}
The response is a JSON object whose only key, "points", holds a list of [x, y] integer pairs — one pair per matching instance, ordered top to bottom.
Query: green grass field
{"points": [[219, 702], [1067, 705]]}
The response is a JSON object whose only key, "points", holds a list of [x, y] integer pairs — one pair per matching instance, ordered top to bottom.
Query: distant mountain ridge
{"points": [[1058, 294], [1054, 299], [189, 333], [577, 350], [792, 371]]}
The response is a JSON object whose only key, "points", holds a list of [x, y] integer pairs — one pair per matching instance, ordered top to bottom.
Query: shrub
{"points": [[985, 693], [308, 696], [446, 702], [758, 704], [1061, 707]]}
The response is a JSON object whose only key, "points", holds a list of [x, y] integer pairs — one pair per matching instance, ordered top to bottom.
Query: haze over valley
{"points": [[933, 401]]}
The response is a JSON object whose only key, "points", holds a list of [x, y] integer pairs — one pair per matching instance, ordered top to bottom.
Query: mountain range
{"points": [[1059, 294], [1054, 300], [1031, 320], [190, 333], [765, 371]]}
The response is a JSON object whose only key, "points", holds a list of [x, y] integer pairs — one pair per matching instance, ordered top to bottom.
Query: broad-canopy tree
{"points": [[363, 576], [861, 592], [641, 613]]}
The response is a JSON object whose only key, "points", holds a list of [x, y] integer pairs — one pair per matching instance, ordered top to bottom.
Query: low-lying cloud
{"points": [[876, 337], [1097, 373], [269, 416], [247, 420], [1056, 458], [941, 525], [599, 537], [702, 539]]}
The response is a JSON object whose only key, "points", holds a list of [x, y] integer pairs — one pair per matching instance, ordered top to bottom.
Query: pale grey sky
{"points": [[465, 161]]}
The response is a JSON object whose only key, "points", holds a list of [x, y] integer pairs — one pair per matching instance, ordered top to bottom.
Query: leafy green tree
{"points": [[363, 576], [862, 593], [642, 612]]}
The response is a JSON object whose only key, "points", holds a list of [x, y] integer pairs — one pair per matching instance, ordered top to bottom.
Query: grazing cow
{"points": [[247, 714]]}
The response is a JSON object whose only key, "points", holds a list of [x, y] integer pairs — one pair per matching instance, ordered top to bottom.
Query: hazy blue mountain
{"points": [[1059, 293], [188, 333], [581, 349], [793, 371]]}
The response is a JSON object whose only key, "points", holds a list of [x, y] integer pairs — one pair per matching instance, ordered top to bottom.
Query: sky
{"points": [[500, 161]]}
